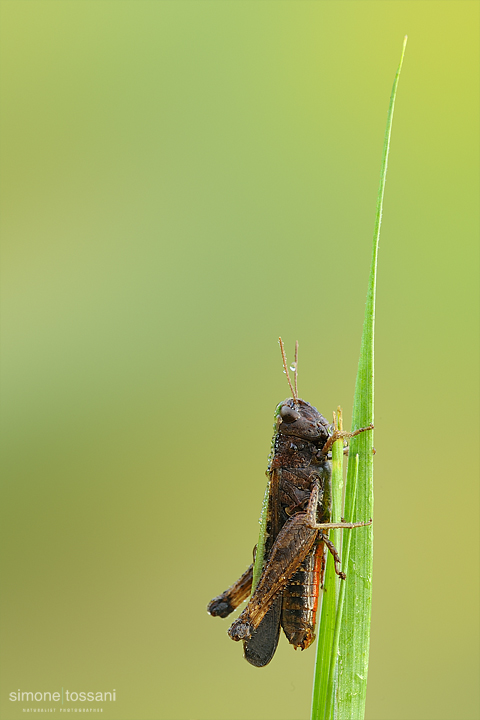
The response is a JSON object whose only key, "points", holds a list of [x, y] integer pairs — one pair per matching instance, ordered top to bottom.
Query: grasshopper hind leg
{"points": [[224, 604]]}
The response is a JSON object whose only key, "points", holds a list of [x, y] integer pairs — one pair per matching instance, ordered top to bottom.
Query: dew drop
{"points": [[293, 367]]}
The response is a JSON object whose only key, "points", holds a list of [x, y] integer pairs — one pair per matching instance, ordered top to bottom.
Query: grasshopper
{"points": [[298, 520]]}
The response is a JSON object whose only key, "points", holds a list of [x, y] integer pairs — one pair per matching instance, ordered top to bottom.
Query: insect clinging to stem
{"points": [[297, 523]]}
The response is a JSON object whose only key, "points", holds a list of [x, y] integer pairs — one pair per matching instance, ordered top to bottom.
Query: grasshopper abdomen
{"points": [[300, 600]]}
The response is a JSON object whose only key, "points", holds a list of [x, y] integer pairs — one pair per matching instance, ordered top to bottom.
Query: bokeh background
{"points": [[182, 183]]}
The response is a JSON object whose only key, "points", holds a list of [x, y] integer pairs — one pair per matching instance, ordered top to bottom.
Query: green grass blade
{"points": [[262, 534], [329, 600], [338, 619], [355, 633]]}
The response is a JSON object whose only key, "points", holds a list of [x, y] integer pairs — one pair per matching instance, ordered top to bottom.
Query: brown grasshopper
{"points": [[298, 521]]}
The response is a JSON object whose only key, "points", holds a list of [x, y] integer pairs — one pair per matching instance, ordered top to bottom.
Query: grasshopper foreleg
{"points": [[337, 434]]}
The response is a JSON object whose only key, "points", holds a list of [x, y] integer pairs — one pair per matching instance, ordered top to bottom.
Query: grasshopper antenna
{"points": [[285, 367], [295, 374]]}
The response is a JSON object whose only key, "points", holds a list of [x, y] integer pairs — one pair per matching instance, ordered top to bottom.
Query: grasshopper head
{"points": [[298, 418]]}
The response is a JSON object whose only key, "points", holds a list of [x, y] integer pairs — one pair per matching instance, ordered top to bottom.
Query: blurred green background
{"points": [[182, 182]]}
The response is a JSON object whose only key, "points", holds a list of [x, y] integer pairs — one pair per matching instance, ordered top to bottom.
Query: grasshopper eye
{"points": [[288, 414]]}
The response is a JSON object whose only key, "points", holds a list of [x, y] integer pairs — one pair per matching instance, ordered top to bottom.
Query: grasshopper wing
{"points": [[260, 648]]}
